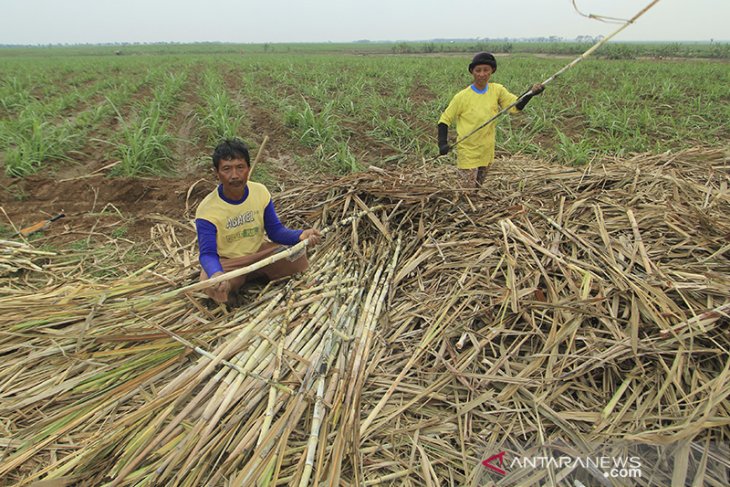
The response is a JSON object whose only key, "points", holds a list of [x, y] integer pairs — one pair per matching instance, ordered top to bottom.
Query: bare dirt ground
{"points": [[99, 202]]}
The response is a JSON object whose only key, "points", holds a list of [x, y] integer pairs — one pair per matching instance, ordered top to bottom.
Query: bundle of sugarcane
{"points": [[556, 311]]}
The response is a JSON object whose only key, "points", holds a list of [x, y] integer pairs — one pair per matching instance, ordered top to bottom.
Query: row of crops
{"points": [[552, 46], [339, 112]]}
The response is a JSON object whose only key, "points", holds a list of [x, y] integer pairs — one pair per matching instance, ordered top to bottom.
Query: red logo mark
{"points": [[488, 463]]}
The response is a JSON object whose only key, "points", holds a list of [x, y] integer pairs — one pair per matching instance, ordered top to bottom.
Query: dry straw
{"points": [[557, 311]]}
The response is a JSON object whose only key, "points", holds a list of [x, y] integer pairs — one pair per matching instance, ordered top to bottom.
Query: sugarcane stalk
{"points": [[386, 283], [328, 354], [227, 363], [349, 401], [269, 415], [281, 429], [314, 431], [264, 447]]}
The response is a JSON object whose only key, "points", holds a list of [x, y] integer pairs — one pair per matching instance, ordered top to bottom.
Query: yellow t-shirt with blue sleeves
{"points": [[468, 110], [240, 227]]}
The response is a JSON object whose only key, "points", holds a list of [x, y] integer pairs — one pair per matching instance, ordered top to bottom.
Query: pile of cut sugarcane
{"points": [[555, 312]]}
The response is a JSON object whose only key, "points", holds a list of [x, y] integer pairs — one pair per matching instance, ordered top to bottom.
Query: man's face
{"points": [[481, 73], [233, 175]]}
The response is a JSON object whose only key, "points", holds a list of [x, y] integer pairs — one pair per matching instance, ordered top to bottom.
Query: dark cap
{"points": [[483, 58]]}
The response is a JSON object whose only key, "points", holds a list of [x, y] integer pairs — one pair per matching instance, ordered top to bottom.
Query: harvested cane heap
{"points": [[555, 312]]}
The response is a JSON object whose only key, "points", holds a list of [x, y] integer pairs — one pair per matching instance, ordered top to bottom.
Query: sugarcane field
{"points": [[565, 323]]}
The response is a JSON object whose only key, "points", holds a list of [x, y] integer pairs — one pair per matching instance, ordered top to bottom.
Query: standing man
{"points": [[470, 108], [232, 220]]}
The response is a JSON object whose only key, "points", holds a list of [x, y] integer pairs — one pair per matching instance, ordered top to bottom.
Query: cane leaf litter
{"points": [[578, 303]]}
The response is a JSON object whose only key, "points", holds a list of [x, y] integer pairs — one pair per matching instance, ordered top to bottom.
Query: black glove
{"points": [[527, 97], [523, 102], [443, 137]]}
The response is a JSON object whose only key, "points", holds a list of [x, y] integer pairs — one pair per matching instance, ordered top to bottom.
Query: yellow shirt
{"points": [[468, 110], [240, 227]]}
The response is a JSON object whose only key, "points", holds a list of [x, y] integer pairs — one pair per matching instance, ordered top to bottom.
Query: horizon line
{"points": [[540, 40]]}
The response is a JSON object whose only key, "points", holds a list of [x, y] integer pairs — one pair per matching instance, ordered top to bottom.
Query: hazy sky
{"points": [[98, 21]]}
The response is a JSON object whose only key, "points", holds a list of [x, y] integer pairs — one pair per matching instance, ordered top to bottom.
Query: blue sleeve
{"points": [[276, 231], [209, 258]]}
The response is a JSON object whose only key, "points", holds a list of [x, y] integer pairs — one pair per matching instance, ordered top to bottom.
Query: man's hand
{"points": [[537, 88], [443, 149], [311, 234], [220, 291]]}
